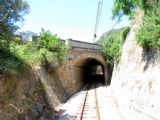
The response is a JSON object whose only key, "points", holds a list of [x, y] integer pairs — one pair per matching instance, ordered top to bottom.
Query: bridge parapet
{"points": [[80, 45]]}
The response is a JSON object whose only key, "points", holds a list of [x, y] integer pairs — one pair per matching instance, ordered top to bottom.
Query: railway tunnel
{"points": [[84, 63], [88, 69], [93, 71], [88, 74]]}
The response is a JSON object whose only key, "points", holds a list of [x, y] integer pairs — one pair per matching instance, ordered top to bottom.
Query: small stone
{"points": [[2, 71], [1, 80], [23, 97], [38, 107], [35, 113], [3, 116], [26, 118], [42, 118]]}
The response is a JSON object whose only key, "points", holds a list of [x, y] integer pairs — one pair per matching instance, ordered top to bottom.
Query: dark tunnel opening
{"points": [[94, 72]]}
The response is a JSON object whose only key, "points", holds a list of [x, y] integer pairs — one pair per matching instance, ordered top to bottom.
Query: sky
{"points": [[73, 19]]}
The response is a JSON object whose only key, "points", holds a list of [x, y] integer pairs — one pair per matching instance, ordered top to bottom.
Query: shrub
{"points": [[124, 33], [148, 36], [53, 44], [112, 44], [111, 49], [27, 52], [15, 55], [10, 61]]}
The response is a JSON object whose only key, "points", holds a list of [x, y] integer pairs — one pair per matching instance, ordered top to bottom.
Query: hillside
{"points": [[112, 33]]}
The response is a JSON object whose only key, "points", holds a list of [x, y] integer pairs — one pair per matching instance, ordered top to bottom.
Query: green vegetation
{"points": [[128, 7], [11, 13], [124, 33], [148, 36], [53, 44], [112, 44], [47, 48], [15, 55], [10, 61]]}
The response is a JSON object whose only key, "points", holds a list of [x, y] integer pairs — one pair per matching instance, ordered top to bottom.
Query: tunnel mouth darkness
{"points": [[93, 72]]}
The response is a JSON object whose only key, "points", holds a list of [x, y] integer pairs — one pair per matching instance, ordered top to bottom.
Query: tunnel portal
{"points": [[82, 66], [93, 71]]}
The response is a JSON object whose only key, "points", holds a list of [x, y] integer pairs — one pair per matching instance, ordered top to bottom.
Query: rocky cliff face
{"points": [[136, 80], [31, 95]]}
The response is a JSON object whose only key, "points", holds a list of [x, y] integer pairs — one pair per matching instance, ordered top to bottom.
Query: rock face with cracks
{"points": [[136, 79], [31, 95]]}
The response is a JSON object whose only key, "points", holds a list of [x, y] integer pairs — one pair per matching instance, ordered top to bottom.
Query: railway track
{"points": [[93, 102], [88, 104], [90, 110]]}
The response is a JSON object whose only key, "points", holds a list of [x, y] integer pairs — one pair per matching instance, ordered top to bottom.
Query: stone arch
{"points": [[83, 62], [74, 65]]}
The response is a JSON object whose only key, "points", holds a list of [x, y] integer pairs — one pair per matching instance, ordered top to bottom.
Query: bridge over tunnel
{"points": [[84, 63], [85, 66]]}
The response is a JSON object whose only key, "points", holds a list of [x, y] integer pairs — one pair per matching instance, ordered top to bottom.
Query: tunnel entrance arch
{"points": [[81, 65], [90, 68], [93, 71]]}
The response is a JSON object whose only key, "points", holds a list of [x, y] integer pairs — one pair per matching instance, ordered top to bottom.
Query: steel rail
{"points": [[85, 99]]}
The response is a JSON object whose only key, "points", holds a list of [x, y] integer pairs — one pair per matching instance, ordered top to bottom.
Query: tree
{"points": [[122, 7], [128, 7], [11, 12], [148, 36]]}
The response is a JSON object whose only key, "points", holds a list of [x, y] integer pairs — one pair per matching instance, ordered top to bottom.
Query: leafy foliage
{"points": [[123, 7], [128, 7], [11, 12], [124, 33], [148, 36], [53, 44], [112, 44], [111, 49], [27, 52], [17, 55], [10, 61]]}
